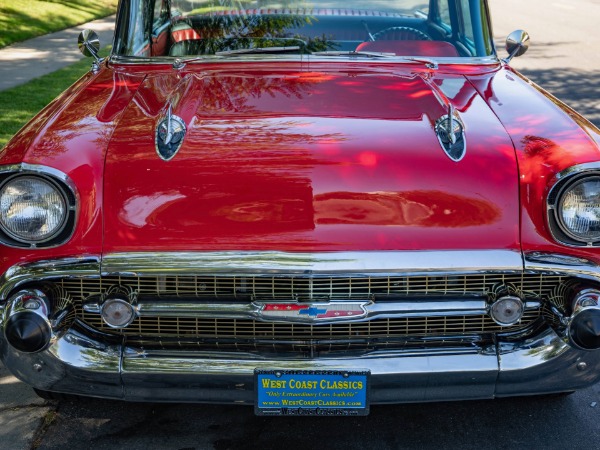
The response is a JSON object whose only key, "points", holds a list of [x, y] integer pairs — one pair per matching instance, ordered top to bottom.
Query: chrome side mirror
{"points": [[517, 43], [89, 45]]}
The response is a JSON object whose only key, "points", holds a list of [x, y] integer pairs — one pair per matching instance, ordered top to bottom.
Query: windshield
{"points": [[354, 28]]}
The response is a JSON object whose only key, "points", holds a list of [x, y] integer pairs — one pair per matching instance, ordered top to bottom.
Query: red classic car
{"points": [[306, 207]]}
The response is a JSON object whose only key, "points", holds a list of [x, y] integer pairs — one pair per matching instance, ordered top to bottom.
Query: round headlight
{"points": [[32, 209], [579, 210]]}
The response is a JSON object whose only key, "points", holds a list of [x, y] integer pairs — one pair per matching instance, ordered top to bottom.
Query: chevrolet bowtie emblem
{"points": [[313, 312]]}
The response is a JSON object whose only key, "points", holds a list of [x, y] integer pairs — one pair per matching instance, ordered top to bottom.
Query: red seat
{"points": [[182, 31], [410, 48]]}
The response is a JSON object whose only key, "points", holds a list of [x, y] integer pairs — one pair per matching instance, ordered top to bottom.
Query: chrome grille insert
{"points": [[289, 287], [174, 327], [247, 334]]}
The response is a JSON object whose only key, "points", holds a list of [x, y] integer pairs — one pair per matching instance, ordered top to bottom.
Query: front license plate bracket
{"points": [[311, 392]]}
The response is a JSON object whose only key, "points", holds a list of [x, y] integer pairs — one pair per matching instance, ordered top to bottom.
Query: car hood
{"points": [[309, 161]]}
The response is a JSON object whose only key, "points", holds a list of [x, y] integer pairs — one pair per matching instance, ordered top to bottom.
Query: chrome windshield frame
{"points": [[481, 9], [487, 61]]}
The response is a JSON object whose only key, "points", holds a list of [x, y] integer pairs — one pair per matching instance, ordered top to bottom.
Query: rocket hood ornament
{"points": [[451, 134], [169, 135]]}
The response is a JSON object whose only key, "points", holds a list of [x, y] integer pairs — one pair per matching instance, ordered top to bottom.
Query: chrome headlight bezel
{"points": [[565, 182], [64, 189]]}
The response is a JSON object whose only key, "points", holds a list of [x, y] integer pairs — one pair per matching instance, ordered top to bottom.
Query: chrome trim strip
{"points": [[400, 60], [37, 168], [577, 169], [271, 263], [325, 263], [562, 264], [86, 266], [412, 308], [254, 310], [379, 363]]}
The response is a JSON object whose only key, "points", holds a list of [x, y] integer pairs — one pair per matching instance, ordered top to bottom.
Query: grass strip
{"points": [[25, 19], [19, 104]]}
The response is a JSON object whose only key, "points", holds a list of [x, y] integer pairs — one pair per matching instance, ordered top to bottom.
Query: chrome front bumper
{"points": [[81, 362], [78, 364]]}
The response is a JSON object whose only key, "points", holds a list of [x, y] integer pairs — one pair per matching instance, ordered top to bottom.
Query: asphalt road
{"points": [[565, 58], [500, 424]]}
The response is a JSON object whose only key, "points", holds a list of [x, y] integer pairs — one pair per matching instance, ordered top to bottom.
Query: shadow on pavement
{"points": [[557, 50], [577, 88], [498, 424]]}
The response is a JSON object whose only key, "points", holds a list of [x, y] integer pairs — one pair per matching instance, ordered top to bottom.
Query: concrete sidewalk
{"points": [[30, 59], [22, 413]]}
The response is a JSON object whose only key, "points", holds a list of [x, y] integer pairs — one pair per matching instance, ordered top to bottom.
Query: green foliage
{"points": [[25, 19], [232, 32], [34, 96]]}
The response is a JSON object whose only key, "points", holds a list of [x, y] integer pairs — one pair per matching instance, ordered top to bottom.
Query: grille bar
{"points": [[343, 310], [174, 327]]}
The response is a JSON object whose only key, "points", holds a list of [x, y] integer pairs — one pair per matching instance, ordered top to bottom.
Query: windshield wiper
{"points": [[258, 50], [353, 54], [180, 63], [430, 63]]}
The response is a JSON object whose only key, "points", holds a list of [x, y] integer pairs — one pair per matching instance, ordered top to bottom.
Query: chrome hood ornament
{"points": [[451, 133], [169, 135]]}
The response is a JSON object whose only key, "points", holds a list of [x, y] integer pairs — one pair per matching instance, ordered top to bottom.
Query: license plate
{"points": [[311, 392]]}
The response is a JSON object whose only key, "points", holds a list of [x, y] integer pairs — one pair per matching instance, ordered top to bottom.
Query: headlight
{"points": [[32, 209], [579, 209]]}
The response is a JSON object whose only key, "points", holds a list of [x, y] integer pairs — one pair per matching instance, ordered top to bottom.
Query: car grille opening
{"points": [[256, 335]]}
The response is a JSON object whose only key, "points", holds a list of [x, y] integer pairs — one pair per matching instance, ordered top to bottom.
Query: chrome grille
{"points": [[287, 287], [252, 329], [245, 334]]}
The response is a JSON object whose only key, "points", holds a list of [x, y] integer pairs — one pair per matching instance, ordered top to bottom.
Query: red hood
{"points": [[303, 161]]}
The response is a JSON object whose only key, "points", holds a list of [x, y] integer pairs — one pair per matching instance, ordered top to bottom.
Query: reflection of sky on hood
{"points": [[138, 210]]}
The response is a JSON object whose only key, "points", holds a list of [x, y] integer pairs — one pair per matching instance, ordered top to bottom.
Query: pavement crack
{"points": [[19, 407], [49, 418]]}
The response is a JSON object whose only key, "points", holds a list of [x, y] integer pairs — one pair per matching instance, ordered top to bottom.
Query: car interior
{"points": [[420, 34]]}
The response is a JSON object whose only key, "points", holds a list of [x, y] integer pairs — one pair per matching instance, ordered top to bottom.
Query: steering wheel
{"points": [[400, 34]]}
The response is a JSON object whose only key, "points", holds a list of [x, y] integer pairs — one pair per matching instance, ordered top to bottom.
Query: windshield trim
{"points": [[127, 14], [211, 59]]}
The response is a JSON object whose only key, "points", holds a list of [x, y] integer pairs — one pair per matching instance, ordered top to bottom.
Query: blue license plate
{"points": [[311, 392]]}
